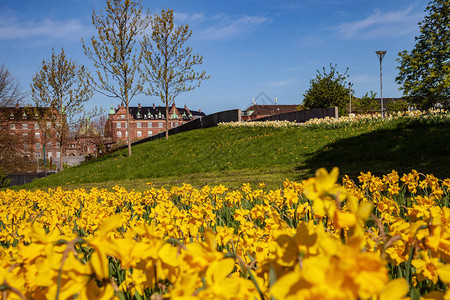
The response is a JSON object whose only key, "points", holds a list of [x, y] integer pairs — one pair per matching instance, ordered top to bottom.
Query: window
{"points": [[122, 116], [149, 124], [160, 124], [176, 124], [36, 125], [49, 125], [118, 125], [139, 125], [12, 126], [24, 126], [119, 133], [126, 133], [139, 133], [149, 133], [25, 134], [37, 135], [58, 145], [25, 146], [37, 146], [49, 146], [38, 154], [49, 154], [58, 154]]}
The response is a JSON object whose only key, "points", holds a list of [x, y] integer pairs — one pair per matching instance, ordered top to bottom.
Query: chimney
{"points": [[276, 100], [17, 104], [139, 105], [153, 105], [118, 106], [185, 107], [199, 110]]}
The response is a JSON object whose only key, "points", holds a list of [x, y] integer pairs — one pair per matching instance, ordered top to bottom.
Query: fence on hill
{"points": [[302, 115], [211, 120], [24, 178]]}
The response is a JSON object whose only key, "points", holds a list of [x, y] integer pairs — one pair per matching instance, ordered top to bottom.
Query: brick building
{"points": [[145, 121], [32, 130]]}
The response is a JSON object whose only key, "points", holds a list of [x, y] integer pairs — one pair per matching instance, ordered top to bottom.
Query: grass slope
{"points": [[235, 155]]}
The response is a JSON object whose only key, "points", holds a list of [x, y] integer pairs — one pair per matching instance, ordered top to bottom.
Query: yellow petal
{"points": [[344, 219], [109, 225], [100, 265], [444, 274], [285, 285], [396, 289]]}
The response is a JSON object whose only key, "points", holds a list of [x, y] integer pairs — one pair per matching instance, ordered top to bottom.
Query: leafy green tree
{"points": [[115, 54], [169, 64], [424, 73], [64, 86], [328, 89], [366, 104], [397, 105]]}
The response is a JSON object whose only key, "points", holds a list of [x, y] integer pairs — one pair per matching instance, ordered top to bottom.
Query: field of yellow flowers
{"points": [[379, 237]]}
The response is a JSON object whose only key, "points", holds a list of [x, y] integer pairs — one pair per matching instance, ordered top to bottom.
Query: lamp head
{"points": [[380, 54]]}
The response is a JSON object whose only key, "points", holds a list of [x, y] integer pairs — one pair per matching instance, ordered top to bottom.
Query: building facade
{"points": [[145, 121], [30, 134]]}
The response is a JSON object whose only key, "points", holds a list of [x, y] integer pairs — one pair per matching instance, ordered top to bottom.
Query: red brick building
{"points": [[145, 121], [32, 131], [32, 134]]}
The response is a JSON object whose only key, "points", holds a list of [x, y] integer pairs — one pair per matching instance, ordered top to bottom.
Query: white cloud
{"points": [[185, 17], [382, 24], [11, 28], [228, 28]]}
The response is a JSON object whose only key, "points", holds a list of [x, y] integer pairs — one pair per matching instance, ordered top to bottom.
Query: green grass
{"points": [[232, 156]]}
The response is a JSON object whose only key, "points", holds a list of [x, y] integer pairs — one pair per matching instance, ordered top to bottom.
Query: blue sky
{"points": [[248, 46]]}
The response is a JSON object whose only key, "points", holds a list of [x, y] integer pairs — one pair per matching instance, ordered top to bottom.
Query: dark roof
{"points": [[270, 109], [159, 112], [22, 113]]}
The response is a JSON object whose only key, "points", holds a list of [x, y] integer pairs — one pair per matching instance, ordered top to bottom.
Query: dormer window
{"points": [[11, 116], [24, 116]]}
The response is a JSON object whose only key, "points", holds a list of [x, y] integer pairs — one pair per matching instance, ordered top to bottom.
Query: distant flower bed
{"points": [[416, 116], [432, 116], [275, 124]]}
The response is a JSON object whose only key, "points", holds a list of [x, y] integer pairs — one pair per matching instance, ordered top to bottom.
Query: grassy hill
{"points": [[235, 155]]}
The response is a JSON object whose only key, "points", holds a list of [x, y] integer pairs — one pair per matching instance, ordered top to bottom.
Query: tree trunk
{"points": [[167, 120], [128, 127], [61, 137]]}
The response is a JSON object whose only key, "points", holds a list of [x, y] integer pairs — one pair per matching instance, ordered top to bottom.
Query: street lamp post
{"points": [[380, 55]]}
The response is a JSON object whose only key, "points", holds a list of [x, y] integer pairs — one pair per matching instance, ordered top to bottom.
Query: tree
{"points": [[114, 53], [169, 64], [424, 73], [63, 86], [328, 89], [10, 92], [10, 95], [366, 104]]}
